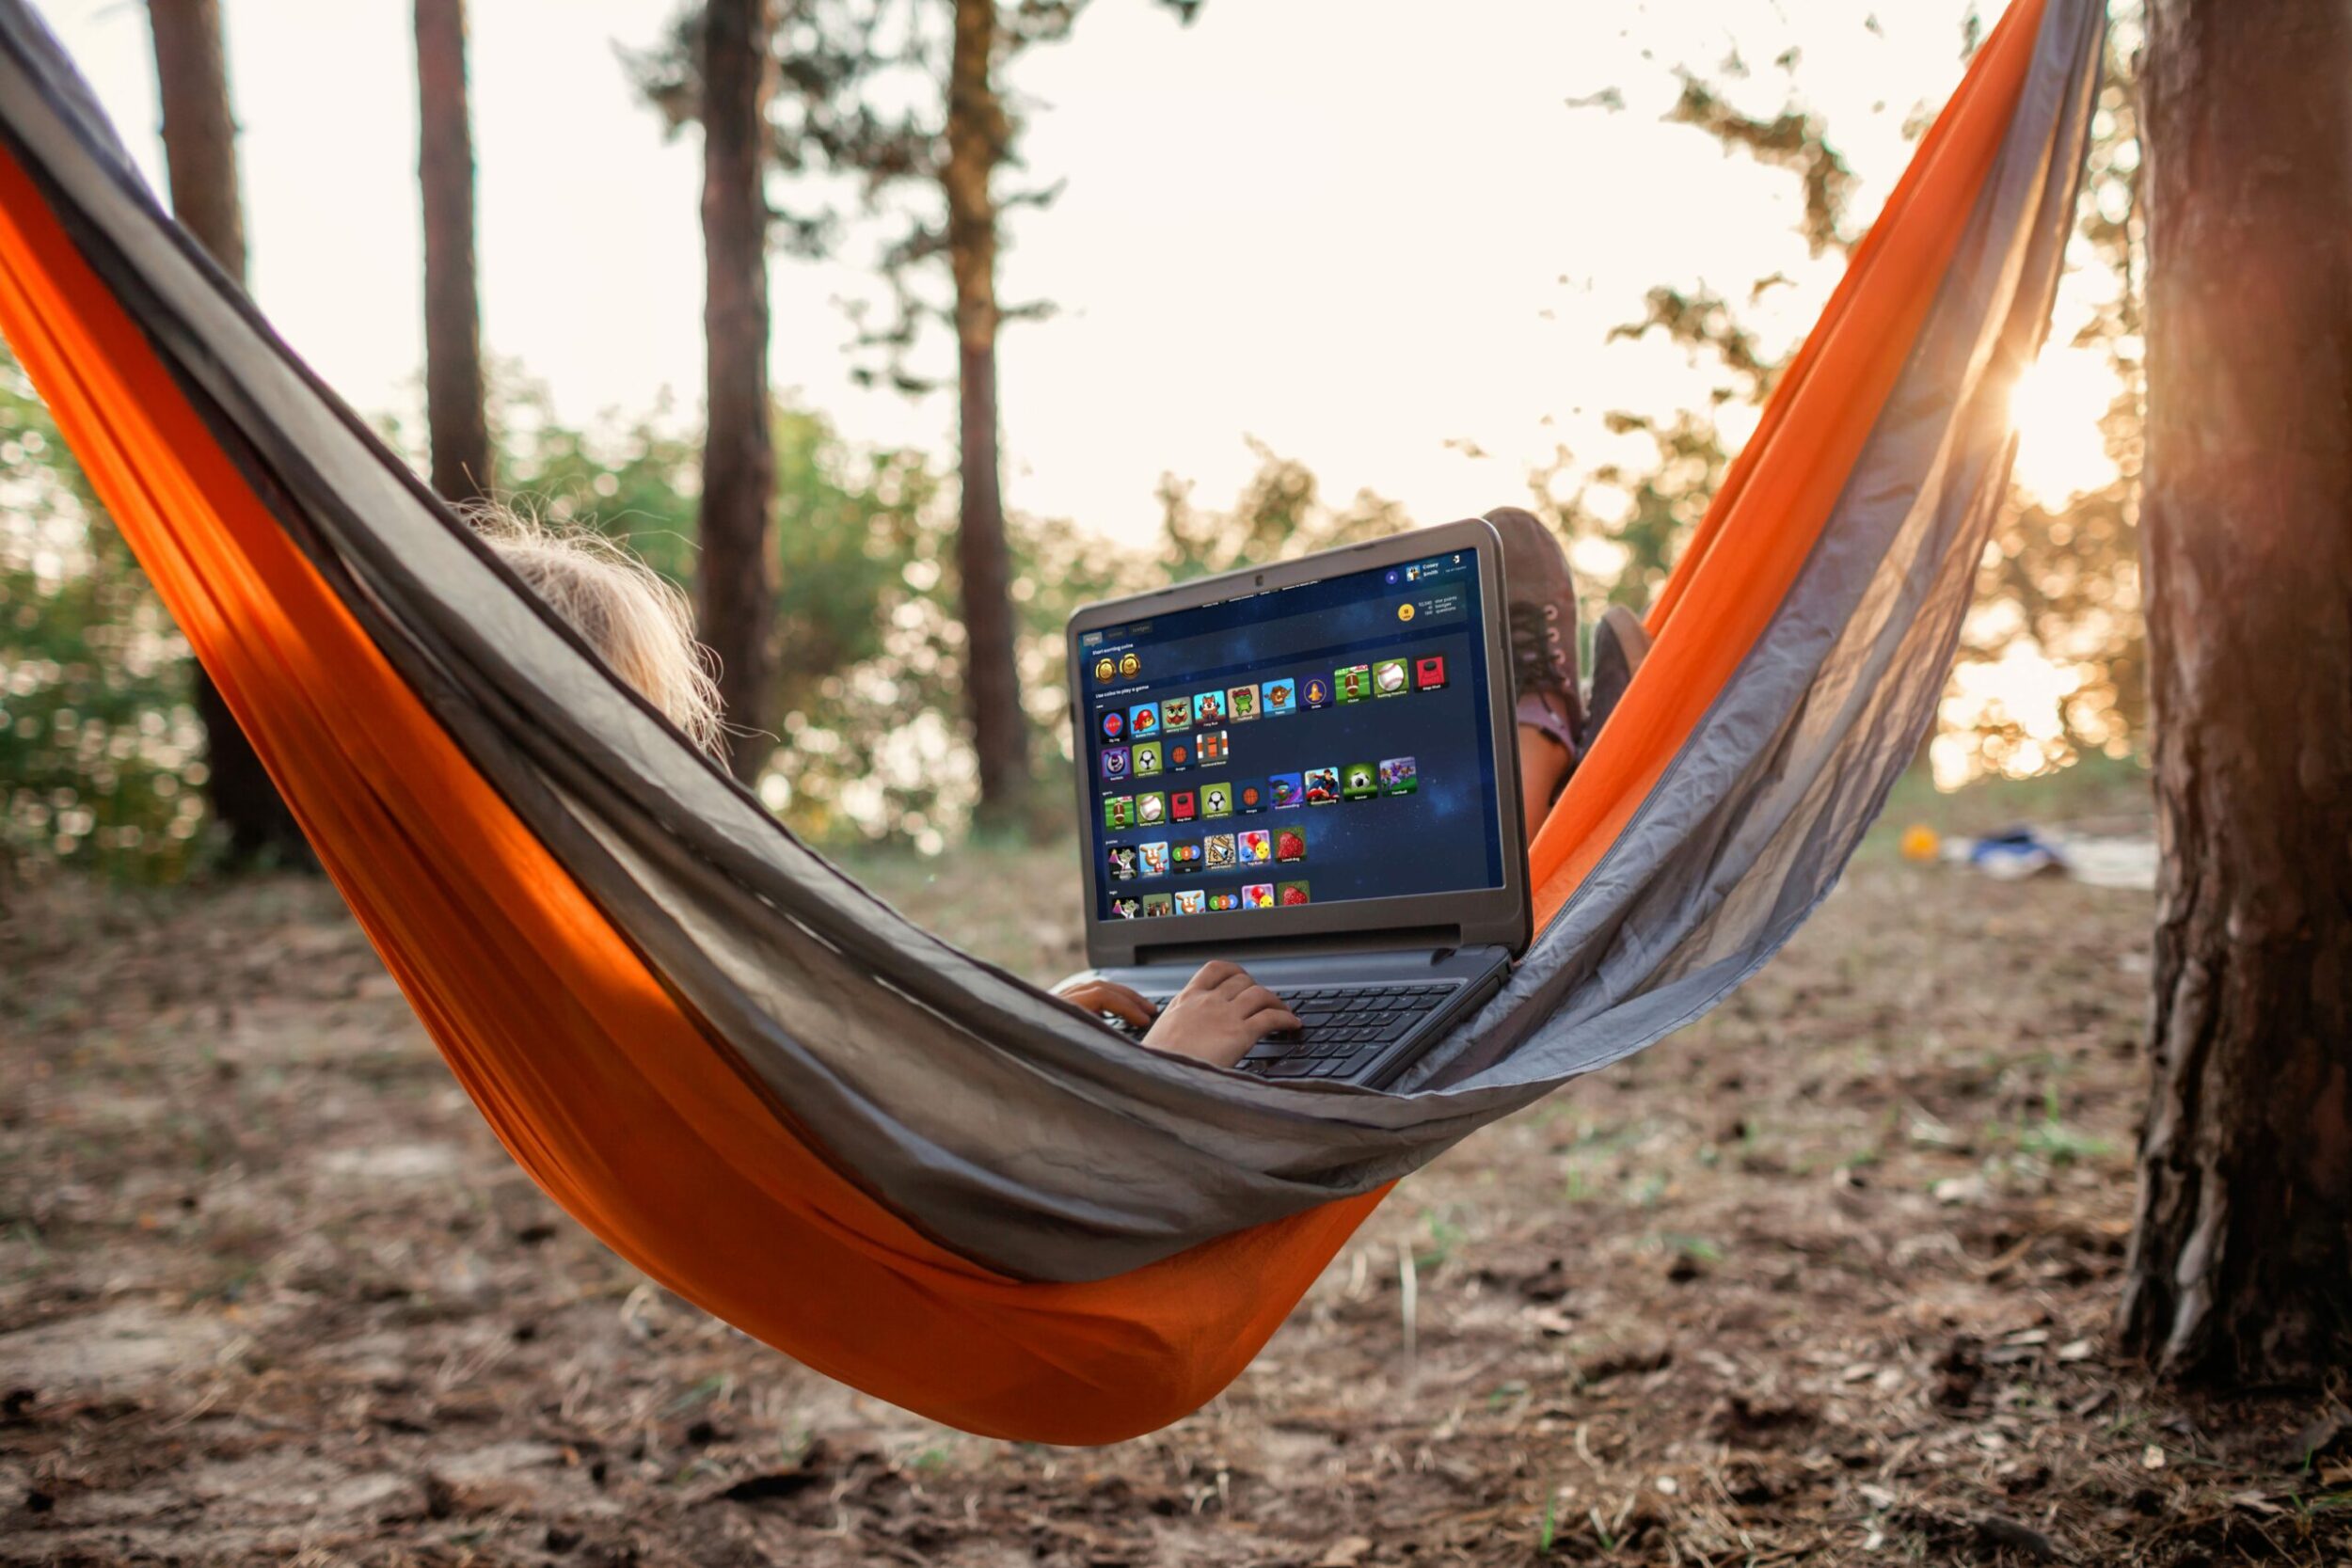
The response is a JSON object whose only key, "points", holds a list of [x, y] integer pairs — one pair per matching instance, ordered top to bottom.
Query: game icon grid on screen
{"points": [[1314, 744]]}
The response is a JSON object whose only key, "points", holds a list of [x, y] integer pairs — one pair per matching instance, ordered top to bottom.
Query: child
{"points": [[642, 628]]}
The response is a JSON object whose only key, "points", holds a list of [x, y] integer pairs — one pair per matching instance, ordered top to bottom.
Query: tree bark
{"points": [[976, 138], [201, 161], [455, 414], [736, 576], [2241, 1264]]}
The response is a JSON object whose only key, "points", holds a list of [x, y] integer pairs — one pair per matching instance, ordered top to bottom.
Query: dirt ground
{"points": [[1826, 1279]]}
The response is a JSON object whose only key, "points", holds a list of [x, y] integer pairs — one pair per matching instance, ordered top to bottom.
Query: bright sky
{"points": [[1357, 230]]}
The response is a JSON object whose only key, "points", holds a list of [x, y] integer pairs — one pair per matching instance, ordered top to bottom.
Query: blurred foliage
{"points": [[1279, 515], [2065, 578], [2060, 582], [98, 738]]}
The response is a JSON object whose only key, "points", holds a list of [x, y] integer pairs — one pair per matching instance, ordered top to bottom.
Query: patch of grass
{"points": [[1445, 1234], [1697, 1249]]}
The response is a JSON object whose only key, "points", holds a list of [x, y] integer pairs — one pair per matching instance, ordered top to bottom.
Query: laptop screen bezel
{"points": [[1468, 916]]}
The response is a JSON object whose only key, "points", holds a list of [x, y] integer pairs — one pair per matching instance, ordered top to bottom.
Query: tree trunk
{"points": [[977, 136], [201, 158], [455, 417], [736, 575], [2241, 1266]]}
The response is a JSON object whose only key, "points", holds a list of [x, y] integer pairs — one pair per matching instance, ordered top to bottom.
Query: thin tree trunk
{"points": [[977, 134], [200, 158], [455, 416], [735, 578], [2241, 1265]]}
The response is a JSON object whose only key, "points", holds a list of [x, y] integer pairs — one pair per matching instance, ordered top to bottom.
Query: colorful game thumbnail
{"points": [[1429, 673], [1388, 678], [1354, 683], [1317, 692], [1278, 697], [1241, 703], [1208, 707], [1175, 714], [1143, 721], [1113, 725], [1178, 749], [1215, 750], [1146, 757], [1114, 762], [1398, 776], [1361, 782], [1323, 787], [1286, 790], [1250, 797], [1217, 800], [1181, 806], [1118, 811], [1151, 811], [1290, 844], [1257, 847], [1219, 854], [1152, 858], [1185, 859], [1120, 860], [1289, 893], [1257, 896], [1192, 901], [1221, 902], [1156, 905], [1126, 908]]}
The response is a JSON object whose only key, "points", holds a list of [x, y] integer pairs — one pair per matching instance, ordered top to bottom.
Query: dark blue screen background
{"points": [[1444, 837]]}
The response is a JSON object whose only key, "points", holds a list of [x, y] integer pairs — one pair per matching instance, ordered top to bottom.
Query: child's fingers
{"points": [[1215, 975], [1235, 985], [1106, 996], [1255, 999]]}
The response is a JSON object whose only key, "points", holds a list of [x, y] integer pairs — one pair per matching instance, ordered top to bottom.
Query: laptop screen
{"points": [[1314, 744]]}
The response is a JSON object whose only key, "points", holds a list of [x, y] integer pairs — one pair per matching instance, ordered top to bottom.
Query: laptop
{"points": [[1310, 769]]}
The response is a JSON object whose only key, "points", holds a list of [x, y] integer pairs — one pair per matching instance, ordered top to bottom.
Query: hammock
{"points": [[785, 1103]]}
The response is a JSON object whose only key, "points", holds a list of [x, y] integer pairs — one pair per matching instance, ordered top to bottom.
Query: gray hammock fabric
{"points": [[996, 1121]]}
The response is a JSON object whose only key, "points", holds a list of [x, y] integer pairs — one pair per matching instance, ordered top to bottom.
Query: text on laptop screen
{"points": [[1313, 744]]}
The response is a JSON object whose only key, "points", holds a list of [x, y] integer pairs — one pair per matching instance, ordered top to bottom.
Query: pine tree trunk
{"points": [[976, 134], [200, 158], [455, 416], [736, 575], [2241, 1266]]}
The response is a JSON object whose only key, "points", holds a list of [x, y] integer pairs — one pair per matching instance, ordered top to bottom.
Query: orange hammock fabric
{"points": [[636, 1119]]}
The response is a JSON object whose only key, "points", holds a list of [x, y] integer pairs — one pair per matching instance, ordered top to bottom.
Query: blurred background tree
{"points": [[200, 134], [456, 402], [735, 585]]}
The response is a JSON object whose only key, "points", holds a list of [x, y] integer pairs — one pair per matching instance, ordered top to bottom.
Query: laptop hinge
{"points": [[1394, 939]]}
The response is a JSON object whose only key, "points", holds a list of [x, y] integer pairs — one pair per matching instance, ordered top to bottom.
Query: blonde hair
{"points": [[636, 620]]}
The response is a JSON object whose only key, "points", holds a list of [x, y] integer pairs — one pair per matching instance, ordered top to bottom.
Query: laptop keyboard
{"points": [[1343, 1029]]}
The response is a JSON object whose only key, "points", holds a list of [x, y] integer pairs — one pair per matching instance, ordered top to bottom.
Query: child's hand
{"points": [[1103, 996], [1218, 1016]]}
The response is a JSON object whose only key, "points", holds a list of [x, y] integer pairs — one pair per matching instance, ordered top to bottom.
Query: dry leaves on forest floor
{"points": [[1824, 1279]]}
